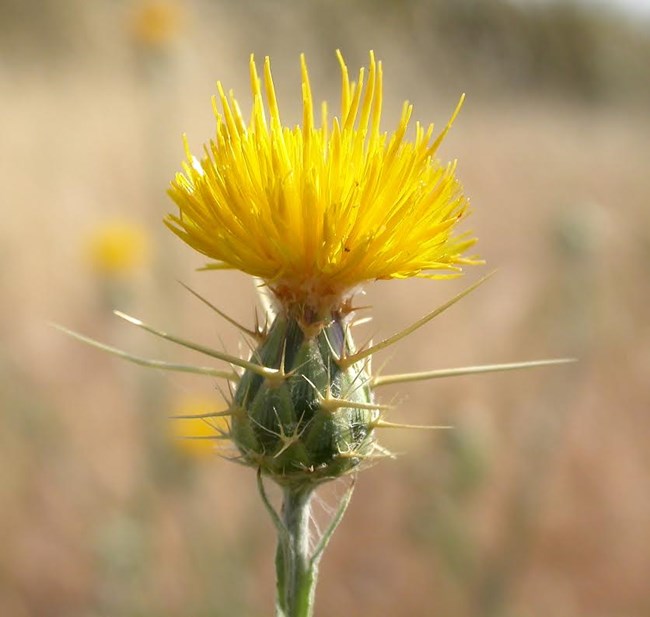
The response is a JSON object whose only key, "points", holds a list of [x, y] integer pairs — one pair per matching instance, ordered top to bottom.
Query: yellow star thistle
{"points": [[315, 211]]}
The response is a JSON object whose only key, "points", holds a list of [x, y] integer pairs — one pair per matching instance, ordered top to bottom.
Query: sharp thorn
{"points": [[252, 333], [391, 340], [159, 364], [256, 368], [467, 370], [332, 404], [200, 416], [384, 424], [204, 437]]}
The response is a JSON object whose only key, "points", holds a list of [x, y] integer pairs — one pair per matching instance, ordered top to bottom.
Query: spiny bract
{"points": [[314, 421]]}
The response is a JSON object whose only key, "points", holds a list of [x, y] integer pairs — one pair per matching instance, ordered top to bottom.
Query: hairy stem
{"points": [[296, 562], [296, 573]]}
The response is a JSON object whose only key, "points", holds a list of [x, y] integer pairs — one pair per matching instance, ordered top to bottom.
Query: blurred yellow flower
{"points": [[155, 23], [317, 209], [118, 248], [198, 436]]}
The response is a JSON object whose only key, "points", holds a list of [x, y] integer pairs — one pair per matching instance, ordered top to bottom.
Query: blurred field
{"points": [[537, 504]]}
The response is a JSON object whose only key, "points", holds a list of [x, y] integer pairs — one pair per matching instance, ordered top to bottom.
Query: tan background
{"points": [[537, 504]]}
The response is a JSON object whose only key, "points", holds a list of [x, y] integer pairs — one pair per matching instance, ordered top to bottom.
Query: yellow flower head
{"points": [[155, 23], [318, 209], [117, 248]]}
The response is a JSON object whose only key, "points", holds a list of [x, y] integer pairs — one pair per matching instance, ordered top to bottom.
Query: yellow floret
{"points": [[316, 210]]}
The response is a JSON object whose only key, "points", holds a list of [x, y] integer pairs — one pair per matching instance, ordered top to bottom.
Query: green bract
{"points": [[314, 421]]}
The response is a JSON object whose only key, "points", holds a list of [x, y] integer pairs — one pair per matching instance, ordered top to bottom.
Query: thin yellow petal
{"points": [[318, 209]]}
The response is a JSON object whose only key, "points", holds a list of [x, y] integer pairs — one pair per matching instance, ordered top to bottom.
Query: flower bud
{"points": [[301, 426]]}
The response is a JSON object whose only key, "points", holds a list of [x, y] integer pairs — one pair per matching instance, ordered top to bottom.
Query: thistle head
{"points": [[317, 210]]}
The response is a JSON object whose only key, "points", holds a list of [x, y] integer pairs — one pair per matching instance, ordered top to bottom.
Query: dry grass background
{"points": [[537, 504]]}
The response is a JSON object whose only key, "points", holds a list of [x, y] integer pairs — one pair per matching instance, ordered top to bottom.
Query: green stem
{"points": [[296, 564], [296, 572]]}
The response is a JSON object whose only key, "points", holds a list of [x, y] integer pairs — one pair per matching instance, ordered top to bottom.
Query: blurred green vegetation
{"points": [[563, 46], [505, 47]]}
